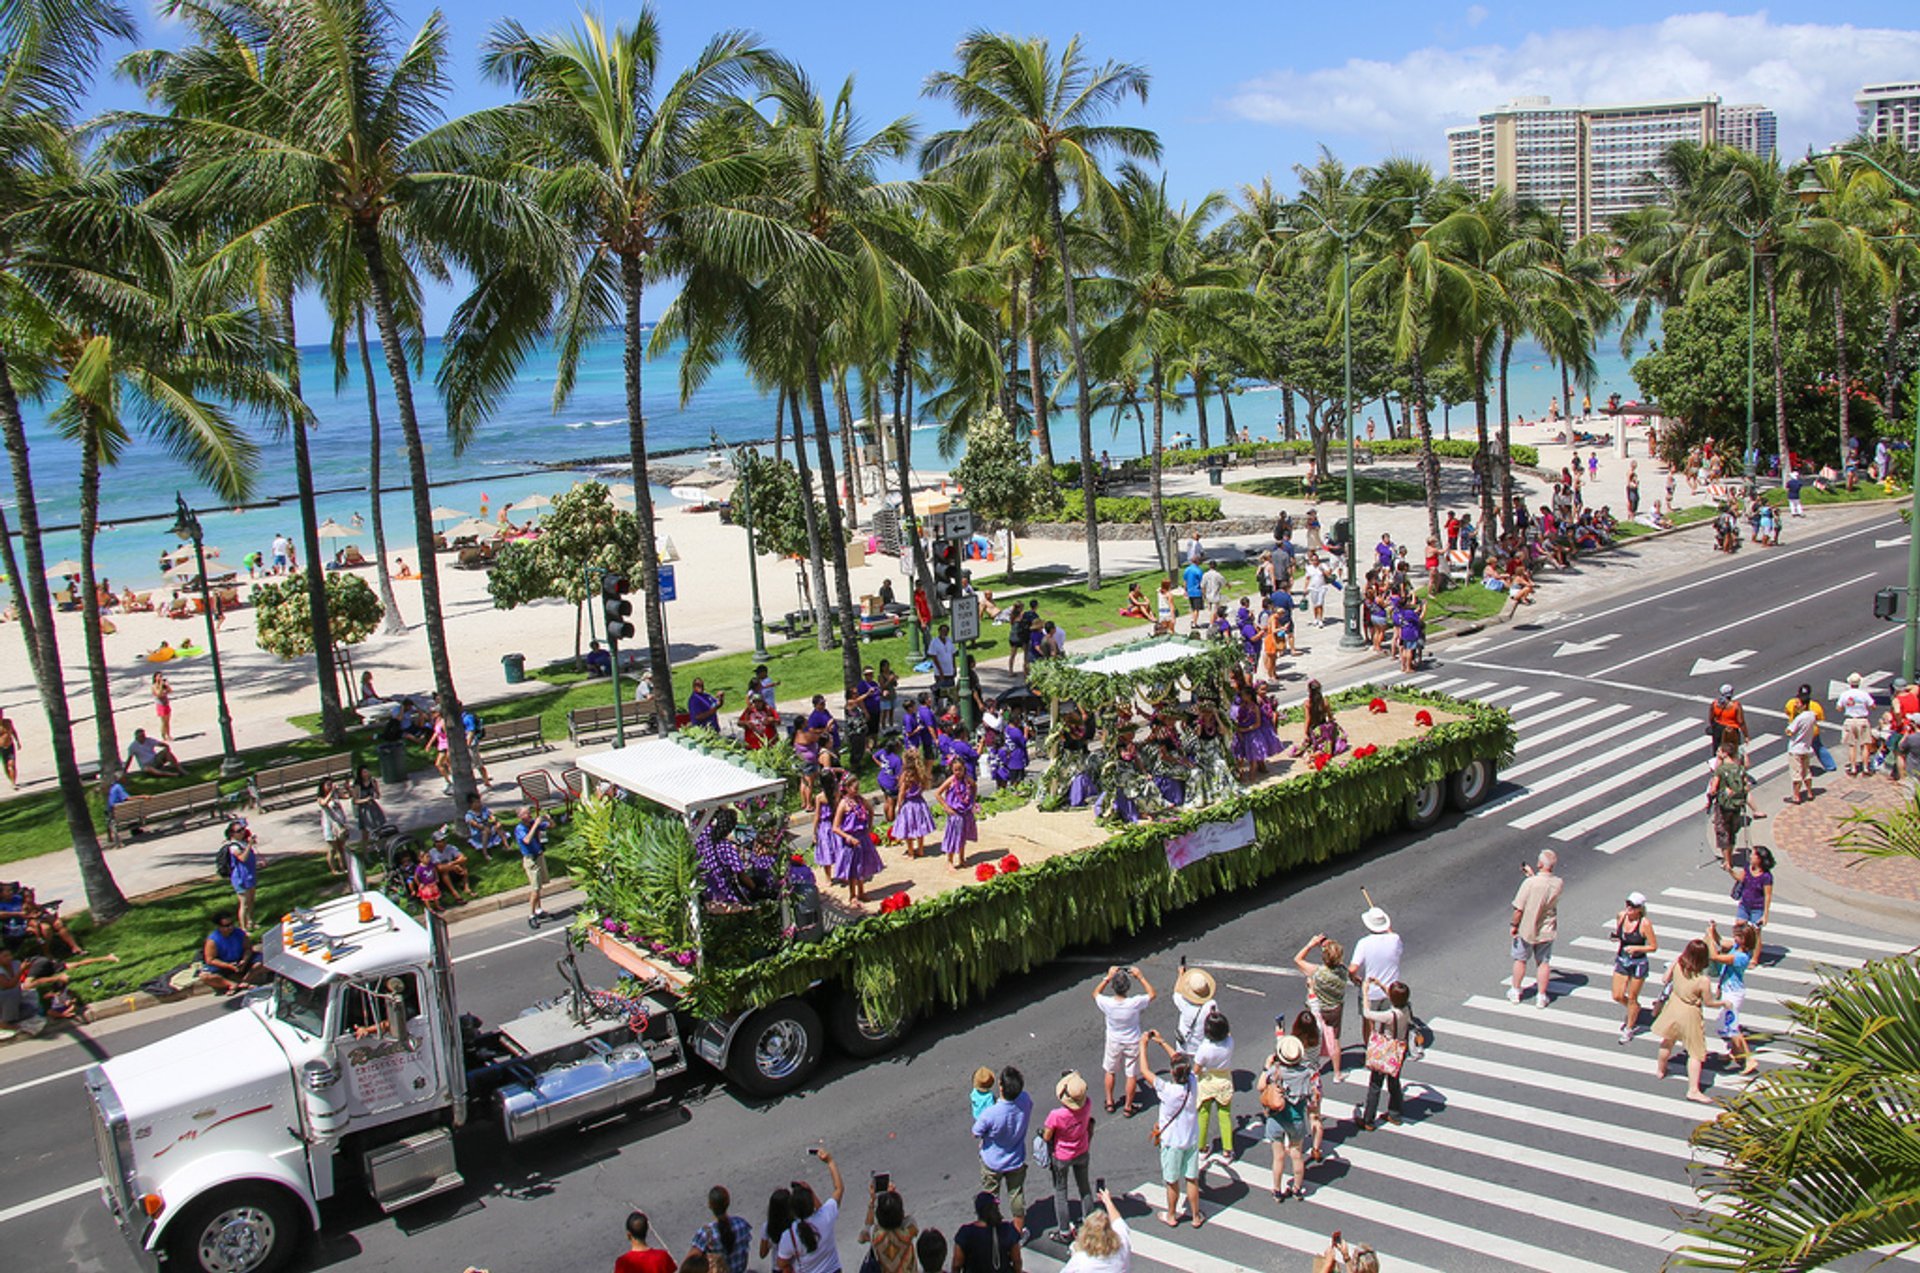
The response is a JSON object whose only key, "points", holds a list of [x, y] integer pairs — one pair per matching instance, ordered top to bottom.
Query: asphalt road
{"points": [[1533, 1141]]}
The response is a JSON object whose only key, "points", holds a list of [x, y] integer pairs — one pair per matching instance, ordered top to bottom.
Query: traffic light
{"points": [[947, 569], [615, 607]]}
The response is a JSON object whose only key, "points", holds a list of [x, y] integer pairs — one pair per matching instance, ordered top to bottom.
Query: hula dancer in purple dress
{"points": [[1269, 714], [1248, 749], [888, 761], [958, 794], [853, 823], [913, 823], [826, 845]]}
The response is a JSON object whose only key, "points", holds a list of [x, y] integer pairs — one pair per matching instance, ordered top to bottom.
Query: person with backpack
{"points": [[1726, 718], [1727, 793], [238, 862], [1285, 1088]]}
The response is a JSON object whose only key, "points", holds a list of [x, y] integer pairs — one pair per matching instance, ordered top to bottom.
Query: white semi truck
{"points": [[354, 1068]]}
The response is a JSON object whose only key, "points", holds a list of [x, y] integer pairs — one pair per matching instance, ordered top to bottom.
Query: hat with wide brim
{"points": [[1376, 920], [1196, 987], [1291, 1049], [1071, 1090]]}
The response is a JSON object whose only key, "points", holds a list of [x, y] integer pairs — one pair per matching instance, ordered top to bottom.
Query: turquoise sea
{"points": [[499, 463]]}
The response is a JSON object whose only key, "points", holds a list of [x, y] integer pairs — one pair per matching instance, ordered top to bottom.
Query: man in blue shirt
{"points": [[1192, 577], [1282, 599], [599, 662], [703, 709], [530, 834], [1002, 1133]]}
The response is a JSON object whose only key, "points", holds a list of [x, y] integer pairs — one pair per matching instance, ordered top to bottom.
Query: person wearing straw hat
{"points": [[1193, 1000], [1285, 1087], [1068, 1132]]}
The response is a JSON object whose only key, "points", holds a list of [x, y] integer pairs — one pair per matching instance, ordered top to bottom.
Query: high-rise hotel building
{"points": [[1891, 112], [1591, 163]]}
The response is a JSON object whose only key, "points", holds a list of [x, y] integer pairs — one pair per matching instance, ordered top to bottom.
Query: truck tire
{"points": [[1468, 789], [1425, 805], [855, 1034], [776, 1049], [243, 1228]]}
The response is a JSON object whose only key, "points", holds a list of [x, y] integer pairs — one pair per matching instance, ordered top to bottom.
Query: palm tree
{"points": [[47, 54], [1030, 117], [342, 139], [627, 162], [1841, 263], [1423, 280], [1163, 297]]}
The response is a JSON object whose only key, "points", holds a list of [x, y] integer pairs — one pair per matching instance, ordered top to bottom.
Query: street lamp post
{"points": [[1809, 191], [1752, 456], [186, 525], [753, 555], [1351, 639]]}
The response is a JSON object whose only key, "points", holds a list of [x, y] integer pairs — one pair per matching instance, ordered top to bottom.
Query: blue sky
{"points": [[1244, 89]]}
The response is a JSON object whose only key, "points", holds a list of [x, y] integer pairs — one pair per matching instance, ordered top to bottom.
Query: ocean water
{"points": [[499, 462]]}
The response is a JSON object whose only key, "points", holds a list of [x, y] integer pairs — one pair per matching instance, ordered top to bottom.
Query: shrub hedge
{"points": [[1068, 475], [1131, 509]]}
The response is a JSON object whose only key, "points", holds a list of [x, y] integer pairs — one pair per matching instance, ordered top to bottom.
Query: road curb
{"points": [[140, 1000]]}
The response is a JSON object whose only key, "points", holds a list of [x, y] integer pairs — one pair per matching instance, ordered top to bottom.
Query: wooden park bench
{"points": [[797, 623], [585, 724], [520, 734], [298, 779], [181, 805]]}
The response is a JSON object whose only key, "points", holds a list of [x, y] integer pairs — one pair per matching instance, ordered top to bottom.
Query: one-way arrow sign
{"points": [[1585, 647], [1705, 667]]}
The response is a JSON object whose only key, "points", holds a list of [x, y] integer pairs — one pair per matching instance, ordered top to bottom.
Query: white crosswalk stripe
{"points": [[1589, 791], [1779, 908], [1872, 944], [1604, 972], [1755, 972], [1608, 1026], [1292, 1237]]}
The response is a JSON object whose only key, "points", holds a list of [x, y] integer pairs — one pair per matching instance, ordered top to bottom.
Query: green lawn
{"points": [[1367, 489], [1862, 493], [1684, 517], [1466, 602], [161, 934]]}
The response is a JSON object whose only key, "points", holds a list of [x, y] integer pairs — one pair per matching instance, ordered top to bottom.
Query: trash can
{"points": [[1215, 475], [516, 666], [393, 761]]}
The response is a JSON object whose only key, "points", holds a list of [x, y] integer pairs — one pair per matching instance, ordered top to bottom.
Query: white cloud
{"points": [[1476, 14], [1806, 72]]}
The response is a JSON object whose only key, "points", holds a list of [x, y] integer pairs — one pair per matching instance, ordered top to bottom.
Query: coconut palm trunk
{"points": [[388, 324], [1779, 365], [1841, 369], [1083, 395], [1200, 410], [1226, 412], [1042, 417], [779, 425], [1506, 434], [849, 453], [1483, 457], [1429, 463], [902, 464], [1154, 500], [835, 529], [816, 551], [391, 623], [659, 654], [332, 726], [105, 732], [104, 898]]}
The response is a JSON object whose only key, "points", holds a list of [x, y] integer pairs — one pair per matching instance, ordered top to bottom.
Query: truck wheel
{"points": [[1469, 789], [1425, 806], [858, 1035], [777, 1049], [243, 1229]]}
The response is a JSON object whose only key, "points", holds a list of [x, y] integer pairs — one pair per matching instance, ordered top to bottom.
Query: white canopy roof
{"points": [[1125, 661], [682, 778]]}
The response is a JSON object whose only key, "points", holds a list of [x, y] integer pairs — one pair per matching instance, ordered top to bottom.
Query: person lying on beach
{"points": [[401, 570]]}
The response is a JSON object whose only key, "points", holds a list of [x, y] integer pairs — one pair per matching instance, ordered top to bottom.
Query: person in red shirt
{"points": [[641, 1258]]}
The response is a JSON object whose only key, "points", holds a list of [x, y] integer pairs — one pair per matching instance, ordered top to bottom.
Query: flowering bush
{"points": [[1009, 864], [984, 872]]}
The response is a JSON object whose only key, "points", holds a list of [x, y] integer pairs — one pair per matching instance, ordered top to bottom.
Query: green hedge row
{"points": [[1068, 475], [952, 947]]}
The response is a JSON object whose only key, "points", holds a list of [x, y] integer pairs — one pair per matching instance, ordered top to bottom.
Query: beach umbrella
{"points": [[702, 477], [621, 490], [723, 492], [691, 493], [530, 502], [927, 503], [441, 513], [472, 528], [331, 529], [61, 569]]}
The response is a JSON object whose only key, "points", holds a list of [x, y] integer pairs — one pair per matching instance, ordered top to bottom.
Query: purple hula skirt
{"points": [[1249, 742], [1172, 788], [1083, 790], [913, 821], [962, 827], [827, 847], [859, 860]]}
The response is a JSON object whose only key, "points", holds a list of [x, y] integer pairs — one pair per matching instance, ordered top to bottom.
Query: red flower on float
{"points": [[1378, 707], [1424, 718], [1361, 753], [1319, 760], [1009, 864], [984, 872], [896, 902]]}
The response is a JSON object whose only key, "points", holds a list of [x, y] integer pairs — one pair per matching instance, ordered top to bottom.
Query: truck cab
{"points": [[218, 1144]]}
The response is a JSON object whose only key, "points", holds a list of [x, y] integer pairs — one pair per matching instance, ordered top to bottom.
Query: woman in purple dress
{"points": [[1270, 742], [1248, 750], [958, 794], [853, 822], [914, 822], [826, 845]]}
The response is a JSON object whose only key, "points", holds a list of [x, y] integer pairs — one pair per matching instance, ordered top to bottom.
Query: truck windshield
{"points": [[302, 1007]]}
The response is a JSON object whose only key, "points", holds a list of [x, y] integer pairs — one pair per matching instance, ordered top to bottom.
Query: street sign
{"points": [[958, 524], [667, 592], [965, 617]]}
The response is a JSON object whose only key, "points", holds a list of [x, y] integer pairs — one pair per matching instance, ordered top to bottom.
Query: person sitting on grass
{"points": [[1136, 607], [599, 662], [151, 756], [484, 833], [450, 865], [228, 961]]}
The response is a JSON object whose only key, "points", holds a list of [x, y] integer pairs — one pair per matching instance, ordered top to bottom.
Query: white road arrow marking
{"points": [[1894, 542], [1585, 647], [1704, 667], [1867, 682]]}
